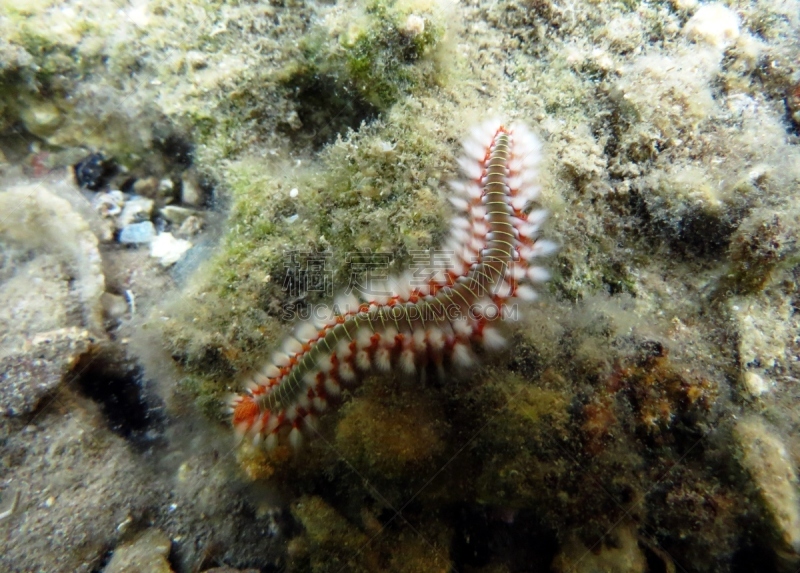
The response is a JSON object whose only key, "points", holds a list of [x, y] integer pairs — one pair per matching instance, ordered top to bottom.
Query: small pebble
{"points": [[94, 171], [147, 187], [166, 190], [191, 192], [109, 204], [135, 210], [177, 215], [190, 226], [137, 233], [167, 249], [114, 306]]}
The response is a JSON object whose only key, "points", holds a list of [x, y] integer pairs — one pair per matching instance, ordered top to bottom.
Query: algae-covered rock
{"points": [[360, 60], [40, 220], [32, 373], [390, 432], [770, 467], [330, 543], [147, 553], [620, 554]]}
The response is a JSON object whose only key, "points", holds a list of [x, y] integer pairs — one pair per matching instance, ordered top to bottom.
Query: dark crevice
{"points": [[126, 398]]}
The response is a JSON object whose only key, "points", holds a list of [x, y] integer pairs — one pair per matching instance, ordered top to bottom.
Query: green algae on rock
{"points": [[360, 61]]}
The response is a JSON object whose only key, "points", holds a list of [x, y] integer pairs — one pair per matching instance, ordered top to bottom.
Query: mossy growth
{"points": [[361, 62], [765, 242], [392, 429], [330, 542]]}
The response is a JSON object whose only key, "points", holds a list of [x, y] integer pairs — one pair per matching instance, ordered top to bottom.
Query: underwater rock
{"points": [[714, 25], [41, 118], [94, 171], [192, 192], [109, 205], [136, 210], [176, 214], [46, 223], [137, 233], [765, 241], [167, 249], [34, 372], [769, 465], [77, 483], [147, 553], [622, 555], [230, 570]]}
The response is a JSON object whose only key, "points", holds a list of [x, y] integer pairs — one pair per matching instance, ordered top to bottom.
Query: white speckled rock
{"points": [[714, 25]]}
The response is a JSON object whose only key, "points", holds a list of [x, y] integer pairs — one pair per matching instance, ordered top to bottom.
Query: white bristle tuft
{"points": [[474, 149], [470, 168], [473, 190], [519, 202], [459, 203], [478, 212], [537, 217], [460, 223], [528, 230], [544, 248], [517, 272], [538, 274], [400, 287], [503, 289], [524, 292], [345, 304], [320, 322], [461, 327], [306, 332], [363, 338], [435, 339], [492, 339], [418, 340], [292, 346], [343, 351], [461, 355], [280, 359], [383, 359], [363, 361], [407, 361], [325, 365], [270, 371], [346, 372], [310, 378], [332, 387], [303, 401], [319, 403], [272, 424], [296, 438], [271, 442]]}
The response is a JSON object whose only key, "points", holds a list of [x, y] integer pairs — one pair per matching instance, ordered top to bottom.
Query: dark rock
{"points": [[94, 171]]}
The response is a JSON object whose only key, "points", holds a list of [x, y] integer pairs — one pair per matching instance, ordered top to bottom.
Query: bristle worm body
{"points": [[494, 245]]}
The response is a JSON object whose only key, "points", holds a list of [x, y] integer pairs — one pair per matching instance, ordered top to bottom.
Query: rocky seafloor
{"points": [[160, 160]]}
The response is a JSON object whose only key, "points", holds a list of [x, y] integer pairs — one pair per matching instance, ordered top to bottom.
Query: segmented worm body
{"points": [[492, 246]]}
